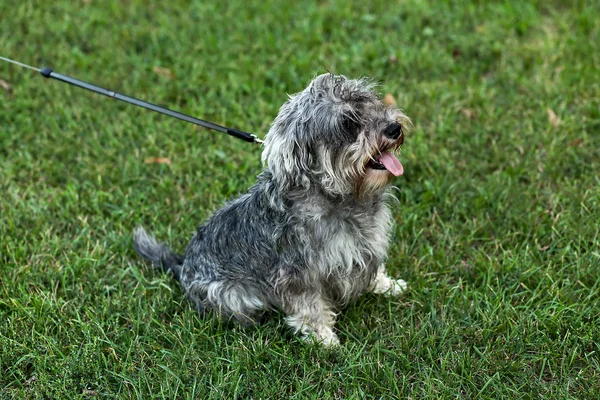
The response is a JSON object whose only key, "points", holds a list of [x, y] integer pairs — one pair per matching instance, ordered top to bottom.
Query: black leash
{"points": [[49, 73]]}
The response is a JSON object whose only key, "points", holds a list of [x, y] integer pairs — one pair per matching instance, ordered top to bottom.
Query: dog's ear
{"points": [[287, 150], [288, 156]]}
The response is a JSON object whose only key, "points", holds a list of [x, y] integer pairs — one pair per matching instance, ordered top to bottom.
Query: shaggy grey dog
{"points": [[313, 232]]}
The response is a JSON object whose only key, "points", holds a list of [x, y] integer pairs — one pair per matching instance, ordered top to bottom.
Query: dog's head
{"points": [[336, 134]]}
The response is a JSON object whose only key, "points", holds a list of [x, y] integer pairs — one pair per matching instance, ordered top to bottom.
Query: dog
{"points": [[313, 232]]}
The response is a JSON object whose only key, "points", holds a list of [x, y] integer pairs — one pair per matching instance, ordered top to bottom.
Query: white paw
{"points": [[388, 286], [398, 286], [324, 336], [331, 341]]}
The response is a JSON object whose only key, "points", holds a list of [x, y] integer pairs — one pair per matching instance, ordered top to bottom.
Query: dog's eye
{"points": [[351, 127]]}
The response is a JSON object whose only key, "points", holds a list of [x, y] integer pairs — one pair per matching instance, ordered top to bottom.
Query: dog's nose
{"points": [[393, 131]]}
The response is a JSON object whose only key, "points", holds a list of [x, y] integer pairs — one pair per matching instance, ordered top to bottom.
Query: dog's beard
{"points": [[367, 166]]}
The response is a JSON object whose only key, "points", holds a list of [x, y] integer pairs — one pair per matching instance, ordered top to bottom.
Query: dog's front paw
{"points": [[388, 286], [397, 287], [324, 336]]}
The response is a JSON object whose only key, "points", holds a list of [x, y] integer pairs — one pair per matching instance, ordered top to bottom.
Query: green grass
{"points": [[498, 221]]}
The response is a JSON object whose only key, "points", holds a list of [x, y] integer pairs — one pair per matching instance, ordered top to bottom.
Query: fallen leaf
{"points": [[393, 60], [166, 72], [4, 85], [389, 100], [467, 112], [554, 120], [575, 142], [158, 160], [544, 248]]}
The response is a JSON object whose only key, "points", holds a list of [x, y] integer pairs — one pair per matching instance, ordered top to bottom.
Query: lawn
{"points": [[498, 218]]}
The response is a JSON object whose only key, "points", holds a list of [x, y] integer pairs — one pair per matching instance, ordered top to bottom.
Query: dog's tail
{"points": [[157, 253]]}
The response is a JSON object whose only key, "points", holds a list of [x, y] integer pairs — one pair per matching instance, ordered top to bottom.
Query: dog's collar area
{"points": [[49, 73]]}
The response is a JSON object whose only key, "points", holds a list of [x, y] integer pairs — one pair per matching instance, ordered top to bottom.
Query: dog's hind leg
{"points": [[384, 284], [234, 299], [312, 316]]}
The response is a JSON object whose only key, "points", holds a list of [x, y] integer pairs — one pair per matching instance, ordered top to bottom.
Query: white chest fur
{"points": [[350, 247]]}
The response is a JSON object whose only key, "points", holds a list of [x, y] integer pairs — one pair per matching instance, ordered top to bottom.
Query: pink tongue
{"points": [[391, 163]]}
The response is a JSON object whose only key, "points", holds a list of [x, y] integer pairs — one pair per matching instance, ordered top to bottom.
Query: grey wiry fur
{"points": [[313, 231], [157, 253]]}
